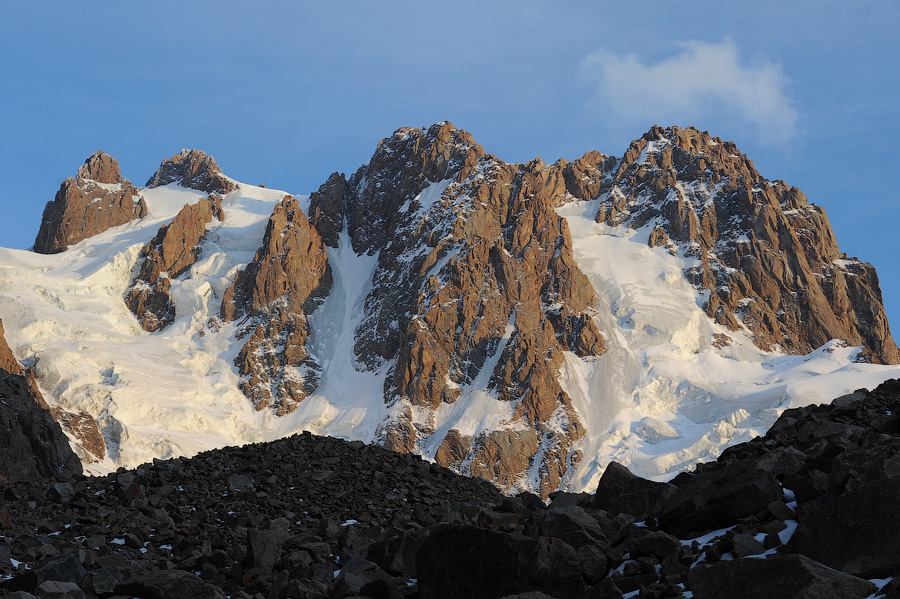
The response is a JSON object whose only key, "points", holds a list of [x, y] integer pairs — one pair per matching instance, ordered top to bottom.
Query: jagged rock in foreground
{"points": [[192, 169], [97, 199], [174, 249], [767, 258], [273, 296], [32, 444], [322, 518], [787, 577]]}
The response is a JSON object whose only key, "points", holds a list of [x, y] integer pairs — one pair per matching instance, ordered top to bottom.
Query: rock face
{"points": [[193, 169], [97, 199], [174, 249], [765, 257], [475, 280], [272, 297], [32, 444]]}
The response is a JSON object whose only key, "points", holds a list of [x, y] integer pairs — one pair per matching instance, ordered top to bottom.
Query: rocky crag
{"points": [[192, 169], [97, 199], [174, 249], [765, 257], [475, 277], [272, 297], [32, 444], [806, 511]]}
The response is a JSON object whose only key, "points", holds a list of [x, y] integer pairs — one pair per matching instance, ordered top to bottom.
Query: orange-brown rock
{"points": [[192, 169], [97, 199], [174, 249], [767, 258], [475, 271], [286, 281], [84, 429], [32, 444], [453, 449], [504, 455]]}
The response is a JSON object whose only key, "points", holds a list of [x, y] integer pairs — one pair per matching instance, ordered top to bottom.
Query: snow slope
{"points": [[661, 398]]}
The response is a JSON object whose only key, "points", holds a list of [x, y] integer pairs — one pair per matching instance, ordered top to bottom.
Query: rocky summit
{"points": [[97, 199], [765, 258], [523, 323], [804, 511]]}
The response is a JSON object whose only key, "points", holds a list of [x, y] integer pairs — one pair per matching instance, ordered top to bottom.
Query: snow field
{"points": [[660, 398]]}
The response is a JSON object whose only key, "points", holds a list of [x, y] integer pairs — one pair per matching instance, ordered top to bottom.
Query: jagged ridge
{"points": [[767, 259]]}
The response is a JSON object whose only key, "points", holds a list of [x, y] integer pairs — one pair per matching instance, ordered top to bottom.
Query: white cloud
{"points": [[702, 83]]}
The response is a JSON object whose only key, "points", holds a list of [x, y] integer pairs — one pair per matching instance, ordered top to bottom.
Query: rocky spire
{"points": [[192, 169], [97, 199], [767, 258], [272, 297]]}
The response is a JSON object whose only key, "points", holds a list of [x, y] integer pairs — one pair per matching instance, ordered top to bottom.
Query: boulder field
{"points": [[806, 511]]}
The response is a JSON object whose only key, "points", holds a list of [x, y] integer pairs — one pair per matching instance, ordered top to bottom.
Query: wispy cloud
{"points": [[703, 82]]}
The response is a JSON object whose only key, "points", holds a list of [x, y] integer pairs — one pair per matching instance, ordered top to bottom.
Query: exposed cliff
{"points": [[97, 199], [174, 249], [476, 289], [272, 297], [32, 444]]}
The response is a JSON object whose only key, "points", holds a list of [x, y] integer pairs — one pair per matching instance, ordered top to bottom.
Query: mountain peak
{"points": [[100, 167], [193, 169], [97, 199]]}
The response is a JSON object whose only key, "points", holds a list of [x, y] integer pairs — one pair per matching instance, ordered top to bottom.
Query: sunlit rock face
{"points": [[95, 200], [168, 255], [765, 258], [273, 296]]}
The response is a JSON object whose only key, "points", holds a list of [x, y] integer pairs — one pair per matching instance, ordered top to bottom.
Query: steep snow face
{"points": [[667, 394], [663, 396]]}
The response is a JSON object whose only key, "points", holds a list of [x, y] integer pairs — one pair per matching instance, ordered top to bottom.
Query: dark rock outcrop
{"points": [[192, 169], [97, 199], [326, 208], [174, 249], [768, 259], [287, 279], [32, 444], [719, 496], [457, 562], [788, 577]]}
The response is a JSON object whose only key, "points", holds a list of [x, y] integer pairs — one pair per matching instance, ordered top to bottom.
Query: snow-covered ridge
{"points": [[663, 396]]}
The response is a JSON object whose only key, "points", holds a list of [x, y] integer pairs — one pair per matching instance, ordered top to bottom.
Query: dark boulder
{"points": [[611, 485], [718, 497], [571, 524], [855, 532], [464, 561], [787, 577], [173, 584]]}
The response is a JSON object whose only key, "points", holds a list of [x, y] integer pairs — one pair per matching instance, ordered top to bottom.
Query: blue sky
{"points": [[284, 93]]}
